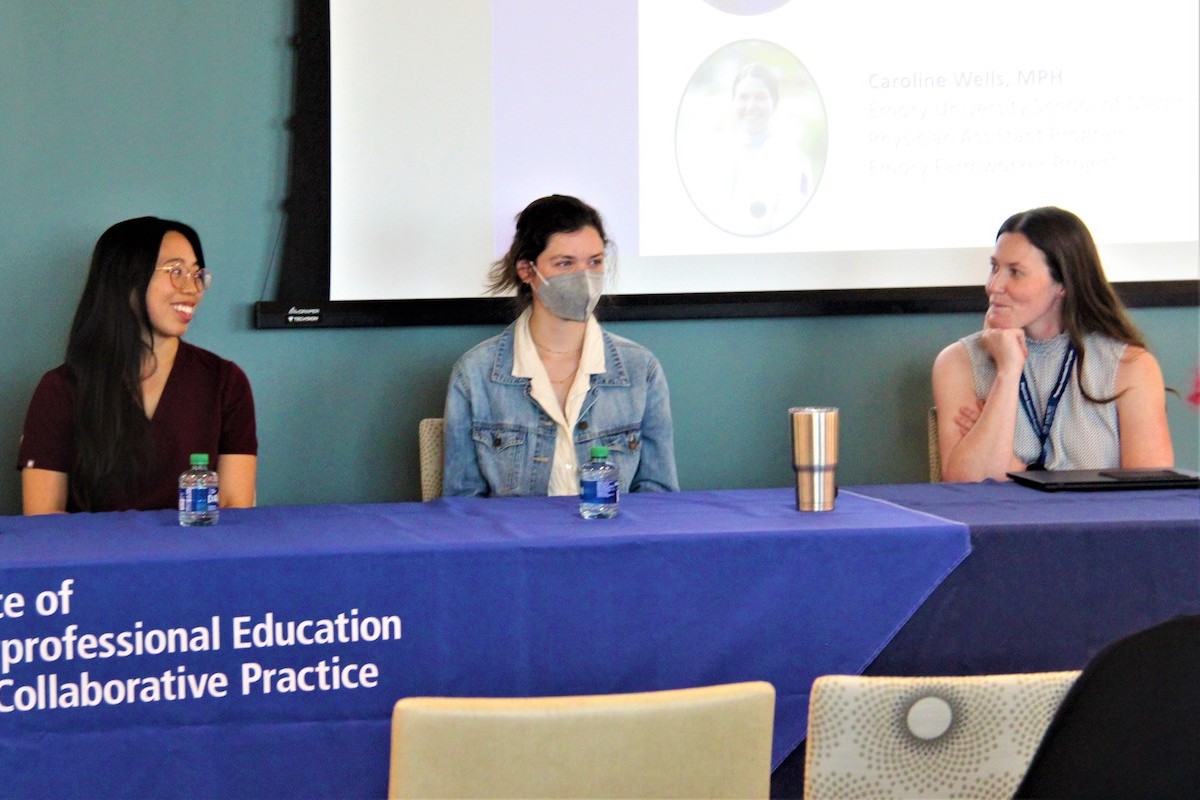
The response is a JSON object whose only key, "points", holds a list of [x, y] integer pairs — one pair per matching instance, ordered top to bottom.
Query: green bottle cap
{"points": [[599, 451], [199, 459]]}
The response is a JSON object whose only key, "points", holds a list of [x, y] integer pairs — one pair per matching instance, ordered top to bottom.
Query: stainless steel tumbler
{"points": [[815, 457]]}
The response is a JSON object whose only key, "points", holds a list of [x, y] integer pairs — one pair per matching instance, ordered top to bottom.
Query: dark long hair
{"points": [[540, 220], [1089, 303], [106, 353]]}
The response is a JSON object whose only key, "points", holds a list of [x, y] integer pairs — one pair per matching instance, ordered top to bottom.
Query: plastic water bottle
{"points": [[599, 486], [198, 495]]}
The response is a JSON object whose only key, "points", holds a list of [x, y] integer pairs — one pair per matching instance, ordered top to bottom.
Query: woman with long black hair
{"points": [[112, 428]]}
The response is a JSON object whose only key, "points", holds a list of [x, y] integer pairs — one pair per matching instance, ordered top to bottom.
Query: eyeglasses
{"points": [[181, 279]]}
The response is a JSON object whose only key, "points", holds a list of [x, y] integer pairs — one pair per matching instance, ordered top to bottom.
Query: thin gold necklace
{"points": [[546, 349], [556, 352], [564, 380]]}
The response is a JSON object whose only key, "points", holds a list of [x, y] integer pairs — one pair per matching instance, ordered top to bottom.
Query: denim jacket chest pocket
{"points": [[624, 445], [501, 451]]}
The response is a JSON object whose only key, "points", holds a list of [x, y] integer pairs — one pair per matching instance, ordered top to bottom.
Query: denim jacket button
{"points": [[583, 426], [496, 442], [633, 443]]}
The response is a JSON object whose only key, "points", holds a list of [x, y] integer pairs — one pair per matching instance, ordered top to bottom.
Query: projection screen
{"points": [[753, 156]]}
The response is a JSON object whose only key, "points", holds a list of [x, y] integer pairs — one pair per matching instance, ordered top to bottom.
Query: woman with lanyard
{"points": [[1059, 377], [524, 408]]}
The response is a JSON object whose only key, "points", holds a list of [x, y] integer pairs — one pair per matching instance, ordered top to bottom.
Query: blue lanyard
{"points": [[1041, 426]]}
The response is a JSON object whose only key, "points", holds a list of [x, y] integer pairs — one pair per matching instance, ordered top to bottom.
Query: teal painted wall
{"points": [[125, 107]]}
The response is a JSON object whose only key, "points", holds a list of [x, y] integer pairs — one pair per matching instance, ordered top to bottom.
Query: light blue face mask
{"points": [[573, 295]]}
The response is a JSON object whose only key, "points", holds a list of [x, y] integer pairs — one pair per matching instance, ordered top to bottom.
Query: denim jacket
{"points": [[499, 441]]}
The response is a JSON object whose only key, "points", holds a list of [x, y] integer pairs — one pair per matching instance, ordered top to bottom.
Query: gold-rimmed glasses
{"points": [[181, 279]]}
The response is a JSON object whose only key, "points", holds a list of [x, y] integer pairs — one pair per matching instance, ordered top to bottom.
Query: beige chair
{"points": [[429, 443], [935, 455], [964, 737], [712, 741]]}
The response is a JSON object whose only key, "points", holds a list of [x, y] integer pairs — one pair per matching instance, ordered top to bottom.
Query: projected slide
{"points": [[914, 125], [759, 145]]}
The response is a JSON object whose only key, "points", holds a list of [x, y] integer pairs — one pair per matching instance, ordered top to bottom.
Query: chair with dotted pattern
{"points": [[429, 444], [935, 454], [964, 737]]}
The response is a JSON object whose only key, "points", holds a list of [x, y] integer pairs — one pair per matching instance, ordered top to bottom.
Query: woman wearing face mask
{"points": [[1059, 378], [524, 408], [113, 427]]}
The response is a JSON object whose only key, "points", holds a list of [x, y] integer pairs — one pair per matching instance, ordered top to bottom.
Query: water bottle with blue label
{"points": [[599, 486], [199, 498]]}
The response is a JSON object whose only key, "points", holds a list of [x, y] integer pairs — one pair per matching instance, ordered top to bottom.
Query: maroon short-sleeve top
{"points": [[206, 407]]}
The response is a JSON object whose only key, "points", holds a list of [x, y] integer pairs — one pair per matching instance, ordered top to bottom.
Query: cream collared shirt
{"points": [[564, 471]]}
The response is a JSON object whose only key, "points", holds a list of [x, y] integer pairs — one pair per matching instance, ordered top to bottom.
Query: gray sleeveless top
{"points": [[1084, 434]]}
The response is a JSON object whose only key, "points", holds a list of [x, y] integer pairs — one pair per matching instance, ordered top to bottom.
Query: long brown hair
{"points": [[1090, 305]]}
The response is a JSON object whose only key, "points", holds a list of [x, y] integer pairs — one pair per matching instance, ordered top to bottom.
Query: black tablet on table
{"points": [[1094, 480]]}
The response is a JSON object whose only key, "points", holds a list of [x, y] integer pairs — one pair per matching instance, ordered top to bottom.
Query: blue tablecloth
{"points": [[1052, 578], [453, 597]]}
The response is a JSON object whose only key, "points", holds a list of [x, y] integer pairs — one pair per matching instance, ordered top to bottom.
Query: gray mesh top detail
{"points": [[1084, 434]]}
